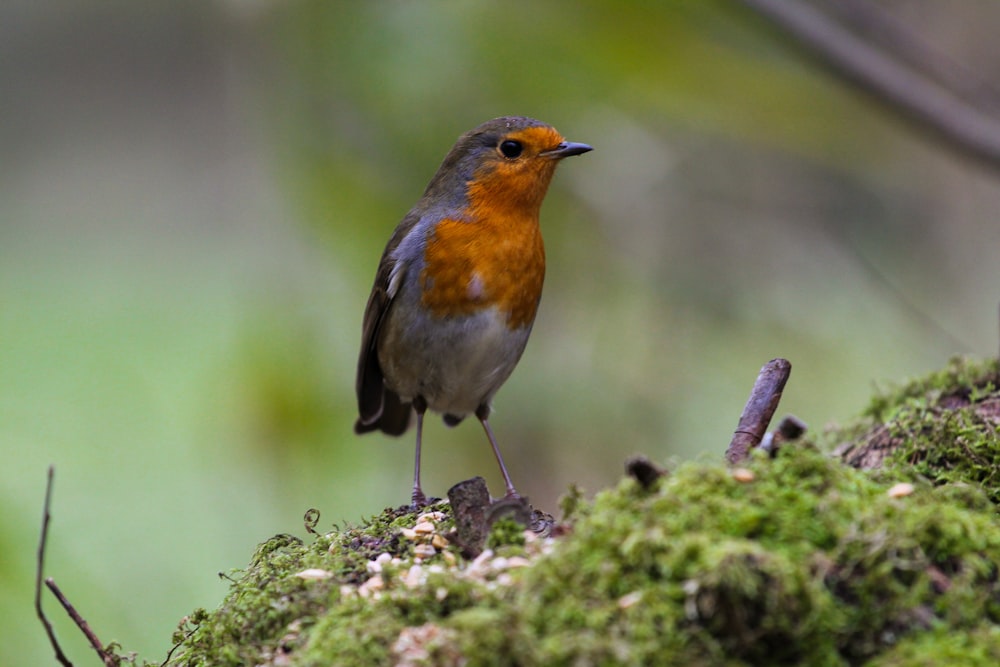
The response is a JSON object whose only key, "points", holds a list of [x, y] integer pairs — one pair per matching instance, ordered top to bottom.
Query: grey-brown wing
{"points": [[378, 407]]}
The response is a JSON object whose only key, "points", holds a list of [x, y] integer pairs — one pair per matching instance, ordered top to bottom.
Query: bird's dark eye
{"points": [[510, 148]]}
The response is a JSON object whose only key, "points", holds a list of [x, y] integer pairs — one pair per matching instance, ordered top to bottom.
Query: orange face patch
{"points": [[519, 184]]}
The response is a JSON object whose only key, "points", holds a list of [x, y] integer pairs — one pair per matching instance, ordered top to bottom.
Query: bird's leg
{"points": [[483, 413], [417, 498]]}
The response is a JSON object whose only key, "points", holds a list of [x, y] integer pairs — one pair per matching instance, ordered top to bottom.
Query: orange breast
{"points": [[493, 255], [495, 260]]}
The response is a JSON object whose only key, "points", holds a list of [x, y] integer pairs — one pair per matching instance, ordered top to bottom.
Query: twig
{"points": [[903, 90], [760, 407], [789, 428], [643, 471], [470, 501], [39, 568], [176, 646], [109, 659]]}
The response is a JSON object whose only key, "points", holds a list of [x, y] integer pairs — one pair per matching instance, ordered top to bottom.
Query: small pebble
{"points": [[900, 490], [424, 528], [424, 551], [481, 559], [313, 574], [414, 577], [373, 585], [629, 599]]}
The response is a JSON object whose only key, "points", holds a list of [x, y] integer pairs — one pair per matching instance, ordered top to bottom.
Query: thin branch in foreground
{"points": [[903, 90], [759, 410], [39, 568], [109, 659]]}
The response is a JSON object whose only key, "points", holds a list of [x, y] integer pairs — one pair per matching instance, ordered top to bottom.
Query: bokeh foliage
{"points": [[193, 197]]}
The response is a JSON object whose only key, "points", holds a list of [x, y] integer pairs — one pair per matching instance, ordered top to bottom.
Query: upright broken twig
{"points": [[759, 409]]}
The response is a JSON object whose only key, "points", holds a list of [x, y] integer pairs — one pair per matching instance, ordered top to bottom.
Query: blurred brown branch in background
{"points": [[899, 70]]}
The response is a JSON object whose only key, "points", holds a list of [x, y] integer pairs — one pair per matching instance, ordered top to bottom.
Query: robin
{"points": [[458, 285]]}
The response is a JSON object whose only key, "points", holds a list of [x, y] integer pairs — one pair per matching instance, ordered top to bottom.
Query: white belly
{"points": [[456, 364]]}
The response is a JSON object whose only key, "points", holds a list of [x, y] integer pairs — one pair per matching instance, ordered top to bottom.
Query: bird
{"points": [[458, 285]]}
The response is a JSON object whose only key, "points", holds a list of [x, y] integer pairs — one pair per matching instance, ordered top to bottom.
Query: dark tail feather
{"points": [[394, 420]]}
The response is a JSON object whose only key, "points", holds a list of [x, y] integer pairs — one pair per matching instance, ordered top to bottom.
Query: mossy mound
{"points": [[945, 427], [793, 560]]}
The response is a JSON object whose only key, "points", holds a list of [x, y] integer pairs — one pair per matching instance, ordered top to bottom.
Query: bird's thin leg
{"points": [[483, 413], [417, 498]]}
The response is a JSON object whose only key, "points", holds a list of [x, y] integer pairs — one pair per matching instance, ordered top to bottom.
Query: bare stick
{"points": [[902, 89], [759, 409], [39, 568], [109, 660]]}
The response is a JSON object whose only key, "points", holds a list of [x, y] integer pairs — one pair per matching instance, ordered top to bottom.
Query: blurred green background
{"points": [[194, 196]]}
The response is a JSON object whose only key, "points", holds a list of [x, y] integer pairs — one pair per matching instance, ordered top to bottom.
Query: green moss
{"points": [[963, 376], [944, 427], [570, 502], [505, 532], [797, 560], [810, 562], [270, 609], [357, 632], [979, 647]]}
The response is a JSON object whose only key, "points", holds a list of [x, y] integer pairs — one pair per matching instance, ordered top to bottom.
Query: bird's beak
{"points": [[566, 149]]}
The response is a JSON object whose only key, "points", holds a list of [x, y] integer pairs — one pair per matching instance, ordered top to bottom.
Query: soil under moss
{"points": [[796, 560]]}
